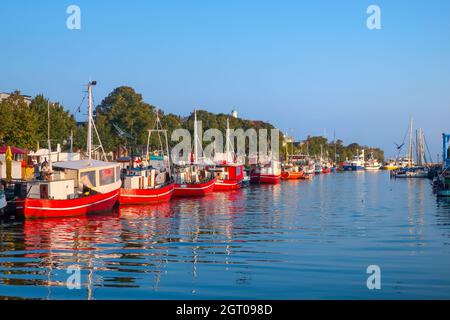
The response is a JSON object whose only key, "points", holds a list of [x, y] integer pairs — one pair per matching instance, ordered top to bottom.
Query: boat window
{"points": [[238, 171], [117, 173], [106, 176], [88, 179]]}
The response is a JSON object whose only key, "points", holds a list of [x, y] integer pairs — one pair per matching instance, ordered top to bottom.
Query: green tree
{"points": [[125, 109], [61, 121], [19, 123]]}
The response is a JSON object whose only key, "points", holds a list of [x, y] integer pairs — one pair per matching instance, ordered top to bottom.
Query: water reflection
{"points": [[269, 241]]}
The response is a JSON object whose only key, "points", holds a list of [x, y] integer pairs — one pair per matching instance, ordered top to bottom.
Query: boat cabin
{"points": [[228, 171], [191, 174], [145, 178], [71, 179]]}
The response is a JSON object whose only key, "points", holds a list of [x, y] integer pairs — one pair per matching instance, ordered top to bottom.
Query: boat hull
{"points": [[353, 168], [286, 175], [265, 178], [224, 185], [194, 189], [146, 196], [48, 208]]}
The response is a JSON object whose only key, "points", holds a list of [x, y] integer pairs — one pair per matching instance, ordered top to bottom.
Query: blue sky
{"points": [[308, 65]]}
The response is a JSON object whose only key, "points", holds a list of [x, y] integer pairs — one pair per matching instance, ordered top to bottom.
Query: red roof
{"points": [[14, 150]]}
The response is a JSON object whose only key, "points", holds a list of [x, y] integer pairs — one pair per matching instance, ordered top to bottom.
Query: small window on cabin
{"points": [[238, 171], [117, 173], [107, 176], [88, 179]]}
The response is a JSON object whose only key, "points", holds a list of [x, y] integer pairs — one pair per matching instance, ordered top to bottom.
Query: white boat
{"points": [[372, 164], [407, 167]]}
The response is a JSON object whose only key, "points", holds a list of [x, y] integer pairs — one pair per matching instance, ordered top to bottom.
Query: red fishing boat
{"points": [[326, 170], [269, 173], [229, 176], [193, 180], [149, 183], [140, 187], [75, 188], [198, 189]]}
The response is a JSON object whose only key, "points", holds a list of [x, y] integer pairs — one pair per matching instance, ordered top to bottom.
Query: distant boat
{"points": [[356, 164], [372, 164], [389, 165], [407, 167], [291, 171], [269, 173], [229, 175], [441, 183]]}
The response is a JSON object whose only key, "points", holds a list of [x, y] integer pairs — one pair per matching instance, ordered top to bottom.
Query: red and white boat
{"points": [[269, 173], [229, 176], [191, 181], [151, 184], [146, 186], [76, 188]]}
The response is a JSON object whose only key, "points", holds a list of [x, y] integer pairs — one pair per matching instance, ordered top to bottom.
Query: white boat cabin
{"points": [[73, 178], [145, 178]]}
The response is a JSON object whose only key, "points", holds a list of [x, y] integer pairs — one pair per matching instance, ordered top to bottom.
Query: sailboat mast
{"points": [[410, 151]]}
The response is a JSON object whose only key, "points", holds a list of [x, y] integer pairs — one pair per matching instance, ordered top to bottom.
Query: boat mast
{"points": [[89, 133], [48, 136], [195, 137], [334, 138], [228, 140], [410, 151]]}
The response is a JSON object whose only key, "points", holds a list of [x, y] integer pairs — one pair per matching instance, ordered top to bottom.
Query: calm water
{"points": [[296, 240]]}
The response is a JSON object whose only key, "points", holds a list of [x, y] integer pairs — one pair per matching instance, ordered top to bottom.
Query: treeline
{"points": [[123, 119], [25, 126], [314, 146]]}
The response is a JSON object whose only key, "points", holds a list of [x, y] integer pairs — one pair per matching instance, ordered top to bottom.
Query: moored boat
{"points": [[356, 164], [372, 164], [389, 165], [269, 173], [229, 176], [193, 180], [441, 183], [148, 184], [73, 188], [76, 188]]}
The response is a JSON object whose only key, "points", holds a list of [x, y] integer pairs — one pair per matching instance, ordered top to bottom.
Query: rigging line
{"points": [[78, 109], [429, 153]]}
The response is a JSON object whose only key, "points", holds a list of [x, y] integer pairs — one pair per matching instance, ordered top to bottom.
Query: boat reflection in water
{"points": [[289, 241]]}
